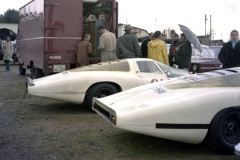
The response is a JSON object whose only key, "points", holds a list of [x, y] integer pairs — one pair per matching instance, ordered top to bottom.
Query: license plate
{"points": [[59, 68]]}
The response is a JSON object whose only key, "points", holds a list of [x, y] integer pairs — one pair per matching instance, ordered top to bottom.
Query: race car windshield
{"points": [[172, 72]]}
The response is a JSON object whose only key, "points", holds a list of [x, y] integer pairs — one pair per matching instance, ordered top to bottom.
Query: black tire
{"points": [[22, 71], [36, 73], [39, 73], [99, 91], [224, 131]]}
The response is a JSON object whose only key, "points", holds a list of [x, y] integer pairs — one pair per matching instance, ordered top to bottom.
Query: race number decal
{"points": [[158, 90]]}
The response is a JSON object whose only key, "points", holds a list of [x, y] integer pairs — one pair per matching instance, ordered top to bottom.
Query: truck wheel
{"points": [[22, 71], [36, 73], [100, 91], [225, 130]]}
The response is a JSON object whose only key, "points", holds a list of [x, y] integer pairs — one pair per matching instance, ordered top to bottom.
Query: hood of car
{"points": [[162, 92]]}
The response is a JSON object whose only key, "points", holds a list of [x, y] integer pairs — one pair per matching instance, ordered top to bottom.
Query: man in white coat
{"points": [[107, 45], [8, 51]]}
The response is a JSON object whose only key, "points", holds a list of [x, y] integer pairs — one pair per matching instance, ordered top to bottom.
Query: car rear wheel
{"points": [[100, 91], [224, 131]]}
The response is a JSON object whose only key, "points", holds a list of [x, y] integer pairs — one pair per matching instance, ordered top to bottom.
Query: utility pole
{"points": [[156, 24], [205, 24], [210, 30]]}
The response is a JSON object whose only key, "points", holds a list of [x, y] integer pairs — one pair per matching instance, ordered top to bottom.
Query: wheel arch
{"points": [[119, 88], [234, 107], [237, 107], [208, 138]]}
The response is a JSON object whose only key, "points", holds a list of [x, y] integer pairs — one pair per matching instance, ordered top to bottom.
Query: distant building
{"points": [[13, 27], [140, 33], [205, 40], [217, 42]]}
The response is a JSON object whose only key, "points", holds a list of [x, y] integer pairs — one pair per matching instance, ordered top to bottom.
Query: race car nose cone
{"points": [[237, 149]]}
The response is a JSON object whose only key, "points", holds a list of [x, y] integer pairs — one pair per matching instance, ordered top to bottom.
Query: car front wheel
{"points": [[99, 91], [224, 131]]}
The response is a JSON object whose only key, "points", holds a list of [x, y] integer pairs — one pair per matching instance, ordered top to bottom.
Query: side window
{"points": [[148, 67]]}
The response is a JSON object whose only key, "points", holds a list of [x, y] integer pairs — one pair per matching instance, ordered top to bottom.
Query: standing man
{"points": [[107, 45], [127, 45], [144, 45], [83, 49], [157, 49], [172, 49], [8, 51], [183, 54], [229, 55]]}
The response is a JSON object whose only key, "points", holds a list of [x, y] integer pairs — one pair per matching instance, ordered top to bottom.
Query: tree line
{"points": [[10, 16]]}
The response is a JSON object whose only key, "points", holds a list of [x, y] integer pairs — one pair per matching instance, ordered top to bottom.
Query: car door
{"points": [[150, 72]]}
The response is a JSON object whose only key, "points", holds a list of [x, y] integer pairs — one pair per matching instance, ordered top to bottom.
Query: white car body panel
{"points": [[71, 86], [179, 109]]}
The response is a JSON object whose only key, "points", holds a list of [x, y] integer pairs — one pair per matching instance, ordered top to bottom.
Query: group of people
{"points": [[126, 46], [110, 48], [7, 49], [180, 51]]}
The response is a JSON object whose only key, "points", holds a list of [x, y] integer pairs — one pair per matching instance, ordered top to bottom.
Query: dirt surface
{"points": [[41, 129]]}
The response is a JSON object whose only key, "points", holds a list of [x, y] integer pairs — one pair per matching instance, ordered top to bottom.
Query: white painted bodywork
{"points": [[72, 85], [190, 100]]}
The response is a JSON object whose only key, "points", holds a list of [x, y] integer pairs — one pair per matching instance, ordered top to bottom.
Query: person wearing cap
{"points": [[107, 45], [127, 45], [157, 49], [172, 49], [183, 53], [229, 55]]}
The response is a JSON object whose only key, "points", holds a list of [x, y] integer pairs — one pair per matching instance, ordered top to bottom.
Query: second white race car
{"points": [[187, 109]]}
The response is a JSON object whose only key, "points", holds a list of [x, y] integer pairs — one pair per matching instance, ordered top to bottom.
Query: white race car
{"points": [[100, 80], [186, 109]]}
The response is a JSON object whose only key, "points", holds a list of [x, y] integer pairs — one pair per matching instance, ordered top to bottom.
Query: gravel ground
{"points": [[34, 128]]}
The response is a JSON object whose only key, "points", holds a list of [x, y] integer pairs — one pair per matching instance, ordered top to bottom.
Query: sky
{"points": [[155, 15]]}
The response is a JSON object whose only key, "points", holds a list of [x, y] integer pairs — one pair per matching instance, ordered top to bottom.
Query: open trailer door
{"points": [[103, 12]]}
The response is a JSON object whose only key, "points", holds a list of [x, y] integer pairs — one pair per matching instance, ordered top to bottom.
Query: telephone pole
{"points": [[205, 24], [210, 30]]}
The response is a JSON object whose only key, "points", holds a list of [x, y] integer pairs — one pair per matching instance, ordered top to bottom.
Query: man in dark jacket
{"points": [[127, 45], [144, 46], [172, 50], [183, 53], [229, 55]]}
